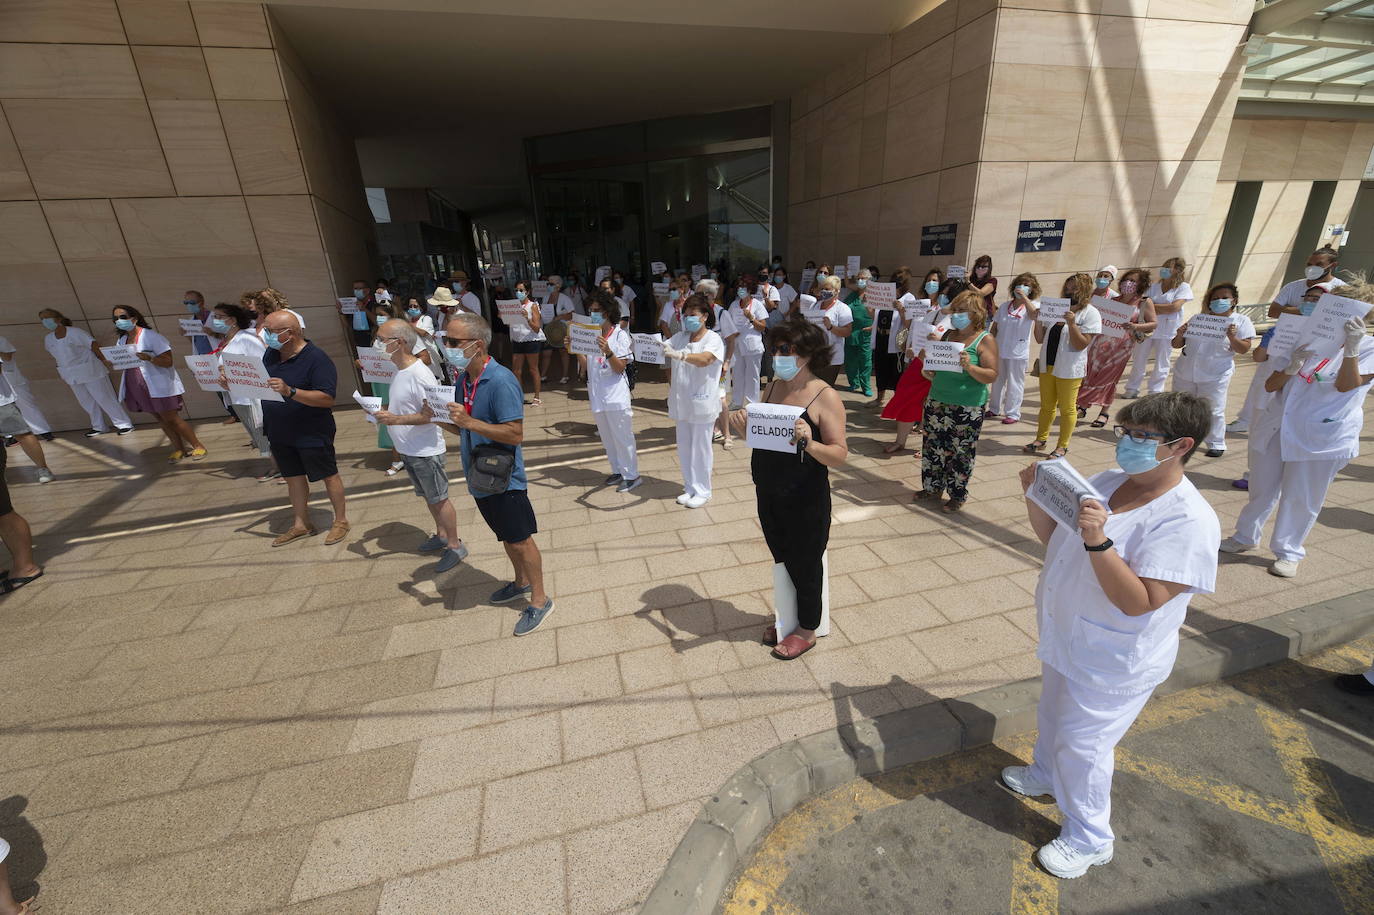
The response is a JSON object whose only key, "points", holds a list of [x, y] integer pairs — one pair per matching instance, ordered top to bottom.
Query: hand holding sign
{"points": [[1052, 311], [1116, 315], [191, 327], [1207, 327], [1324, 332], [584, 339], [649, 348], [944, 356], [121, 357], [376, 365], [206, 370], [248, 378], [439, 398], [772, 426], [1061, 491]]}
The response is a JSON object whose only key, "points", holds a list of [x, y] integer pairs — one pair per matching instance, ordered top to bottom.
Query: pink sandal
{"points": [[792, 647]]}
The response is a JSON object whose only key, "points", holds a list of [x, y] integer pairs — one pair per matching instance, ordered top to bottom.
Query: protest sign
{"points": [[853, 264], [658, 268], [698, 271], [841, 272], [955, 272], [601, 274], [808, 279], [539, 289], [661, 290], [880, 295], [348, 305], [915, 310], [1052, 311], [513, 313], [1115, 316], [191, 327], [1207, 327], [1324, 332], [1286, 335], [918, 336], [584, 339], [649, 348], [943, 356], [122, 357], [377, 365], [206, 370], [248, 378], [437, 398], [370, 405], [772, 426], [1060, 489]]}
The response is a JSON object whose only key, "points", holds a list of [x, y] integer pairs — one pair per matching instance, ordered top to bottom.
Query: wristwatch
{"points": [[292, 395], [1101, 547]]}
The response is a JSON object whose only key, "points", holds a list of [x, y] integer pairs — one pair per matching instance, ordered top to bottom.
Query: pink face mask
{"points": [[1127, 287]]}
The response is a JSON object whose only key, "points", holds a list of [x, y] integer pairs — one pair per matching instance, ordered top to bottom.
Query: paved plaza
{"points": [[195, 722]]}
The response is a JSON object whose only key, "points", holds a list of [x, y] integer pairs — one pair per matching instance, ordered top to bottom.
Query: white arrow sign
{"points": [[1038, 244], [935, 248]]}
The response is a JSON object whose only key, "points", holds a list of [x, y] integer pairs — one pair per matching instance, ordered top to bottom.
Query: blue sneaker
{"points": [[434, 544], [452, 557], [509, 592], [531, 617]]}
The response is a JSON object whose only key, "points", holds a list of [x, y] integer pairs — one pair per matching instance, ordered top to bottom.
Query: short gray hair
{"points": [[864, 274], [554, 280], [709, 288], [481, 330], [405, 331]]}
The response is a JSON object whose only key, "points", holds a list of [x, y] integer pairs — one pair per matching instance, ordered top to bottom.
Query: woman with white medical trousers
{"points": [[1110, 601]]}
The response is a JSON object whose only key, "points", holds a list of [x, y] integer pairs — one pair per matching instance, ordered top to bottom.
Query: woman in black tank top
{"points": [[793, 486]]}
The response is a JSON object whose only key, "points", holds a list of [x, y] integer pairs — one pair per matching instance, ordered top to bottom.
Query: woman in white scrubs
{"points": [[1169, 296], [748, 317], [1012, 325], [235, 328], [697, 355], [1206, 366], [83, 367], [154, 385], [609, 390], [1305, 435], [1111, 598]]}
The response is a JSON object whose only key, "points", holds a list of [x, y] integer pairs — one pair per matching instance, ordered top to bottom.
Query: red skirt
{"points": [[908, 402]]}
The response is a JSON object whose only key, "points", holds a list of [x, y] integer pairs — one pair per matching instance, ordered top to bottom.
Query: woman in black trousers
{"points": [[793, 488]]}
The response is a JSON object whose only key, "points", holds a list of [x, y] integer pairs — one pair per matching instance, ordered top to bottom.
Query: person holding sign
{"points": [[1321, 268], [984, 283], [1169, 296], [554, 314], [748, 319], [837, 320], [360, 322], [230, 323], [1012, 325], [887, 326], [527, 339], [858, 346], [1110, 351], [697, 355], [1208, 362], [1063, 363], [84, 368], [154, 385], [608, 390], [1256, 397], [907, 406], [954, 410], [300, 426], [1307, 433], [792, 487], [1111, 599]]}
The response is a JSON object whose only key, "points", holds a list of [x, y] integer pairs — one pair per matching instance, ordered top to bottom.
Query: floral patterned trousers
{"points": [[951, 443]]}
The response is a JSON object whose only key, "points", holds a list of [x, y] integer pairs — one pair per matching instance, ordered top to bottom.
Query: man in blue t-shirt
{"points": [[489, 418], [300, 426]]}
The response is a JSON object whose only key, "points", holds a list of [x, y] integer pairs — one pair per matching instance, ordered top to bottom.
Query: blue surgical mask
{"points": [[1165, 273], [779, 280], [1103, 282], [860, 284], [932, 287], [1024, 290], [742, 293], [360, 294], [521, 294], [944, 300], [1219, 306], [191, 307], [1306, 308], [413, 312], [600, 317], [380, 319], [959, 320], [50, 323], [691, 323], [124, 324], [219, 325], [272, 340], [457, 358], [785, 367], [1137, 457]]}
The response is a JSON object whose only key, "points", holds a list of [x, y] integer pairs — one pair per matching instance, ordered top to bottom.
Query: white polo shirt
{"points": [[1014, 324], [608, 389], [1086, 637]]}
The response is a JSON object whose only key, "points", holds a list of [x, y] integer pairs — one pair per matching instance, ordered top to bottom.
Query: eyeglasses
{"points": [[1140, 436]]}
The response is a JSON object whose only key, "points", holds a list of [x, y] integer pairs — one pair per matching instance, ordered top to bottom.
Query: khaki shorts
{"points": [[12, 421]]}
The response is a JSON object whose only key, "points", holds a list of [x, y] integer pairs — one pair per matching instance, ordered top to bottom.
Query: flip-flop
{"points": [[9, 585], [795, 645]]}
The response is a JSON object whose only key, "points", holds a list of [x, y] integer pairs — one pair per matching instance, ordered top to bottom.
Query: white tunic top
{"points": [[840, 316], [1168, 323], [1014, 324], [749, 341], [1212, 360], [1070, 362], [76, 364], [162, 381], [608, 389], [694, 392], [1313, 420], [1086, 637]]}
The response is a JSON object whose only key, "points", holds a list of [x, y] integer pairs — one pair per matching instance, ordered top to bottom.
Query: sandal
{"points": [[536, 402], [1082, 412], [1100, 421], [1035, 446], [893, 448], [1058, 453], [952, 506], [295, 533], [10, 585], [770, 636], [792, 647]]}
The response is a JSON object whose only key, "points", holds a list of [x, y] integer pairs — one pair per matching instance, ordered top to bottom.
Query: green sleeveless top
{"points": [[957, 387]]}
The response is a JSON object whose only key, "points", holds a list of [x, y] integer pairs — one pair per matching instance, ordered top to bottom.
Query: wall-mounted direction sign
{"points": [[1040, 235], [939, 239]]}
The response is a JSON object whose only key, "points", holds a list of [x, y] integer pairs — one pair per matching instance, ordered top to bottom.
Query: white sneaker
{"points": [[1238, 425], [45, 475], [683, 499], [697, 501], [1232, 545], [1284, 568], [1020, 780], [1063, 860]]}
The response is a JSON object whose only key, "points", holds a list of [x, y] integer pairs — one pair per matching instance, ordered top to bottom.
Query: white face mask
{"points": [[1316, 272]]}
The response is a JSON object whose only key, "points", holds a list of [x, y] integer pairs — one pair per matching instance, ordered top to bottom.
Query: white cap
{"points": [[1108, 269]]}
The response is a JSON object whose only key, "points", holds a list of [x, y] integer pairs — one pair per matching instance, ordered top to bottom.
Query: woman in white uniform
{"points": [[1169, 296], [748, 315], [838, 322], [1012, 324], [235, 328], [697, 355], [82, 366], [1206, 366], [154, 385], [609, 391], [23, 396], [1305, 435], [1111, 598]]}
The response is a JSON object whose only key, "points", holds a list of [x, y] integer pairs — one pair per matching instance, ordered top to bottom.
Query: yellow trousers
{"points": [[1058, 394]]}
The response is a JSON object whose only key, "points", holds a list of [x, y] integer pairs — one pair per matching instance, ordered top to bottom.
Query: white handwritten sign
{"points": [[853, 264], [658, 268], [698, 271], [841, 272], [955, 272], [601, 274], [808, 279], [539, 288], [880, 295], [348, 305], [915, 310], [1052, 311], [513, 313], [1115, 316], [191, 327], [1207, 327], [1324, 332], [1287, 333], [918, 337], [584, 339], [649, 348], [943, 356], [122, 357], [377, 365], [206, 370], [247, 378], [437, 398], [370, 405], [772, 426], [1060, 489]]}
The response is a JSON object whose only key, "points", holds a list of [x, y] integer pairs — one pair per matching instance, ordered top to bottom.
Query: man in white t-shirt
{"points": [[1321, 268], [419, 441]]}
